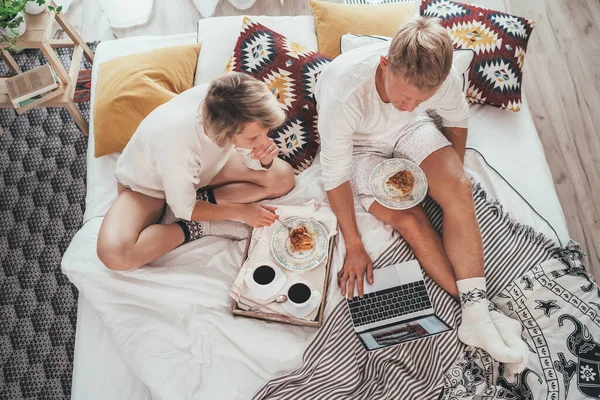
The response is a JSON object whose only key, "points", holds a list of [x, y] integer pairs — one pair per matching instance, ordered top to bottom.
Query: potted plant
{"points": [[35, 7], [12, 20]]}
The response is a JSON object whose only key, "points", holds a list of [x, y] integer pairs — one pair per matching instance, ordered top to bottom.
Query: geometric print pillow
{"points": [[499, 41], [290, 70]]}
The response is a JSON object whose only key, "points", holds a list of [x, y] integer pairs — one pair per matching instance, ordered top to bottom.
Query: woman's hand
{"points": [[266, 153], [258, 215]]}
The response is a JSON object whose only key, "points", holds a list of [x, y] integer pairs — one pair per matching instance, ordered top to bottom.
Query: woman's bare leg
{"points": [[236, 183], [129, 236]]}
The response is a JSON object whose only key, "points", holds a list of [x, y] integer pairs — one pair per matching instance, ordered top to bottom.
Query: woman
{"points": [[184, 155]]}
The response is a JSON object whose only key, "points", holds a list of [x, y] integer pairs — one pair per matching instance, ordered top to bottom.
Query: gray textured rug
{"points": [[42, 199]]}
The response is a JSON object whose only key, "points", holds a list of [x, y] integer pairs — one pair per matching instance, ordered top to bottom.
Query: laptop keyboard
{"points": [[389, 303]]}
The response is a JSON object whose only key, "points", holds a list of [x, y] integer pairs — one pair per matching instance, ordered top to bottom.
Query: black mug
{"points": [[263, 275], [299, 293]]}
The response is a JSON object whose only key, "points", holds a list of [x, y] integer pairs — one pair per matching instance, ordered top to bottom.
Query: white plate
{"points": [[389, 197], [300, 260]]}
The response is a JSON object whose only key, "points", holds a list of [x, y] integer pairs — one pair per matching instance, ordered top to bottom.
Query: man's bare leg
{"points": [[451, 189], [425, 242]]}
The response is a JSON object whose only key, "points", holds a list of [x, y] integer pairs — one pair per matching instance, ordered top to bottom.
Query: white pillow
{"points": [[219, 36], [351, 41], [461, 60]]}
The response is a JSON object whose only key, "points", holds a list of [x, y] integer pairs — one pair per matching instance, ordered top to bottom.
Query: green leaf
{"points": [[57, 10]]}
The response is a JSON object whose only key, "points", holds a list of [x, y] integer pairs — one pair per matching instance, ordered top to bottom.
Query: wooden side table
{"points": [[38, 36]]}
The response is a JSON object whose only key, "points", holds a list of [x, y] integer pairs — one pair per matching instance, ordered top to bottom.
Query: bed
{"points": [[168, 333]]}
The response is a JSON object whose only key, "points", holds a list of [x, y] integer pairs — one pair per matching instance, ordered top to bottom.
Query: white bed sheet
{"points": [[171, 325], [99, 369]]}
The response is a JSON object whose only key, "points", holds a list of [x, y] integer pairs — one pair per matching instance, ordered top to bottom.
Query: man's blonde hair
{"points": [[421, 51], [234, 100]]}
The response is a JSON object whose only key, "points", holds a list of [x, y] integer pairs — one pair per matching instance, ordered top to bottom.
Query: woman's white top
{"points": [[170, 156]]}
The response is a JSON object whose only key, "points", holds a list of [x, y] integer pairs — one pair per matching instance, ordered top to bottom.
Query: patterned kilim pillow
{"points": [[499, 41], [291, 71]]}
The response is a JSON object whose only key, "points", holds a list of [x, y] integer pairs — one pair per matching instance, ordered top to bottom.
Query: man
{"points": [[371, 104]]}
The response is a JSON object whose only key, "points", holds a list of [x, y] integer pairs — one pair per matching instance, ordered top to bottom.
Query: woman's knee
{"points": [[281, 180], [113, 254]]}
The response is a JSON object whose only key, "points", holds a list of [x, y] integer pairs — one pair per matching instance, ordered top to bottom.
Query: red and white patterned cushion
{"points": [[499, 41], [291, 71]]}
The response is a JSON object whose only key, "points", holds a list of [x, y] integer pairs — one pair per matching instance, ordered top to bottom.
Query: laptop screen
{"points": [[403, 332]]}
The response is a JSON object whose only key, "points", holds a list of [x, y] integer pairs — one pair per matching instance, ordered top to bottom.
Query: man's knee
{"points": [[282, 179], [463, 186], [460, 193], [407, 221], [113, 254]]}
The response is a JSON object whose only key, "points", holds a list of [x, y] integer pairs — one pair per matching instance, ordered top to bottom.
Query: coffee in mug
{"points": [[264, 275], [299, 293]]}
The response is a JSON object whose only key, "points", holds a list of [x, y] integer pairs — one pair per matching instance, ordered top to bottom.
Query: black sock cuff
{"points": [[206, 194], [211, 196], [185, 229]]}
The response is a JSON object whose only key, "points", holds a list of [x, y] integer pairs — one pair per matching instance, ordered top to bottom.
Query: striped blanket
{"points": [[336, 366]]}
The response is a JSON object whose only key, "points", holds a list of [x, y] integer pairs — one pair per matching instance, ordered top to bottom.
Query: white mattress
{"points": [[508, 141]]}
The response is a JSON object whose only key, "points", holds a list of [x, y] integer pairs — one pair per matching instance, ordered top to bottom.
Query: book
{"points": [[32, 83], [46, 95], [28, 104]]}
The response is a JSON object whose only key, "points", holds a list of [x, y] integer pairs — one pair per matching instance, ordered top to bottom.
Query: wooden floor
{"points": [[562, 84]]}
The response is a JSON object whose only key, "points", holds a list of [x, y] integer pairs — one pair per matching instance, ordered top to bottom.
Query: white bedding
{"points": [[172, 325], [99, 368]]}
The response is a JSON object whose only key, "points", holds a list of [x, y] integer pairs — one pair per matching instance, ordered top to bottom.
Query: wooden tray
{"points": [[318, 322]]}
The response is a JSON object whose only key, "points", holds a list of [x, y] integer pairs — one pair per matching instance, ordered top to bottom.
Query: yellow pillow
{"points": [[334, 20], [130, 87]]}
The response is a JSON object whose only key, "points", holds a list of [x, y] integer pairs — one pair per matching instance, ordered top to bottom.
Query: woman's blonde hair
{"points": [[421, 52], [234, 100]]}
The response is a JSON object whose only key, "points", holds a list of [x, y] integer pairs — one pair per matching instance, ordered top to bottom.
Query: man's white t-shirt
{"points": [[351, 110], [170, 156]]}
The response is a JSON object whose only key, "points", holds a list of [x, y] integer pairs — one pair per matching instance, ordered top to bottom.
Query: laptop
{"points": [[395, 309]]}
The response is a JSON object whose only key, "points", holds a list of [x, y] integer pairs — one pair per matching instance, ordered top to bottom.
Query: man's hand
{"points": [[266, 153], [357, 261]]}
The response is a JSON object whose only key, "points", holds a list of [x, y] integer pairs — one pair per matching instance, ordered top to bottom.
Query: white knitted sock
{"points": [[167, 217], [228, 229], [193, 230], [477, 328], [510, 331]]}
